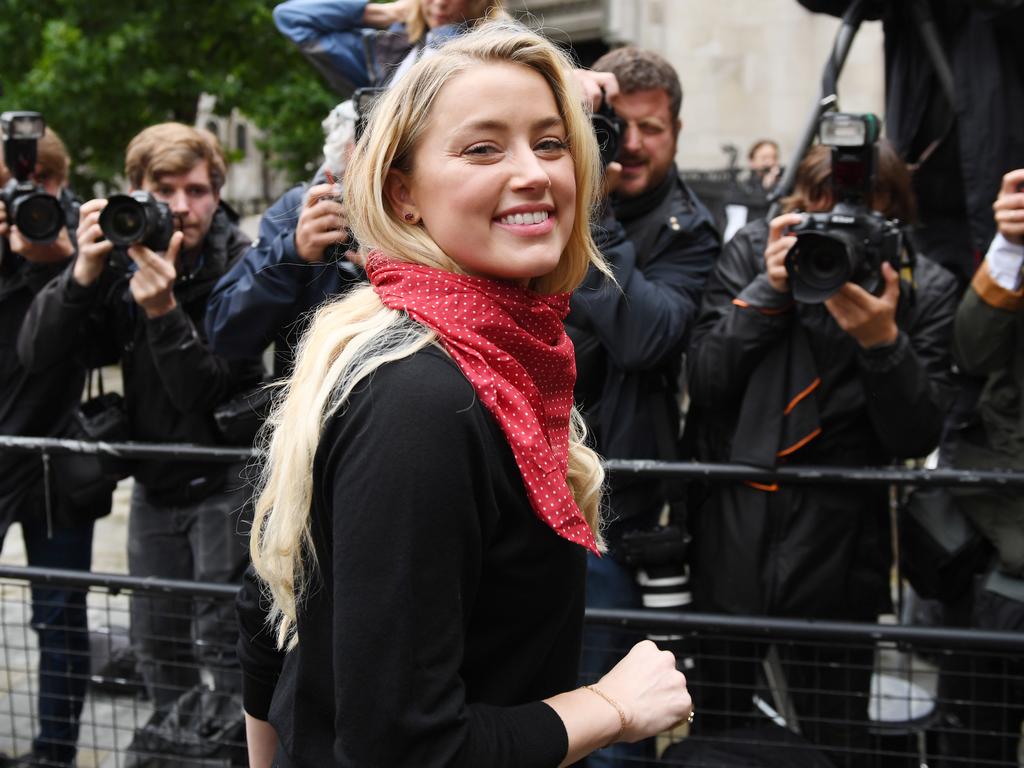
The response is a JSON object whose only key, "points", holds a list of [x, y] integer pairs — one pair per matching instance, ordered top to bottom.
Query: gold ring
{"points": [[689, 717]]}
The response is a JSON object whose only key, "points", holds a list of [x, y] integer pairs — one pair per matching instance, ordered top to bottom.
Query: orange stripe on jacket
{"points": [[796, 400]]}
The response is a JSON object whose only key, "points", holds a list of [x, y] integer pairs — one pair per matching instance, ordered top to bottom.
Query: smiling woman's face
{"points": [[493, 181]]}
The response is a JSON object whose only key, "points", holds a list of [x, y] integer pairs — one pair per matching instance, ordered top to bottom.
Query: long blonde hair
{"points": [[477, 12], [350, 338]]}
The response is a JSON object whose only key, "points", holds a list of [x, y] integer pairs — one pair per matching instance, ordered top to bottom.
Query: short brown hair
{"points": [[639, 70], [173, 148], [52, 161], [892, 195]]}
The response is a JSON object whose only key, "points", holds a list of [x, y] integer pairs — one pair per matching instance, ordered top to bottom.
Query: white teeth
{"points": [[534, 217]]}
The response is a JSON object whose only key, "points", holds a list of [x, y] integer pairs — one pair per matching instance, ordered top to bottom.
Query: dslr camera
{"points": [[608, 128], [38, 216], [137, 217], [850, 243]]}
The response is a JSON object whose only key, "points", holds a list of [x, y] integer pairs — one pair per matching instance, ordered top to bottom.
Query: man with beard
{"points": [[660, 243]]}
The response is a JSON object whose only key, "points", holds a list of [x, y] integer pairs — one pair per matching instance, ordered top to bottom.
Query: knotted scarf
{"points": [[511, 345]]}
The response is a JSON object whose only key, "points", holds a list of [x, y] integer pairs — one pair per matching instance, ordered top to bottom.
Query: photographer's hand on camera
{"points": [[596, 86], [1009, 207], [322, 223], [779, 244], [93, 247], [152, 284], [869, 319]]}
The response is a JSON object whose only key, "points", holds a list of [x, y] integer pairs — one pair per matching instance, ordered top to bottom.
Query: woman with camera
{"points": [[359, 43], [779, 375], [428, 502]]}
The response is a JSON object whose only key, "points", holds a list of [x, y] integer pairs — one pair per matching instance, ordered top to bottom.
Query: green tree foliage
{"points": [[100, 72]]}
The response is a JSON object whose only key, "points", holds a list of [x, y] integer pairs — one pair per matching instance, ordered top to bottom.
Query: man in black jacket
{"points": [[660, 244], [859, 380], [184, 520], [56, 528]]}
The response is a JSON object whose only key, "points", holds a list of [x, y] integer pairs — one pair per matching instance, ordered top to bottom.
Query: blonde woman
{"points": [[358, 43], [428, 503]]}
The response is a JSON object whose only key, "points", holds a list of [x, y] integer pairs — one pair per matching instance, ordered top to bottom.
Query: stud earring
{"points": [[410, 217]]}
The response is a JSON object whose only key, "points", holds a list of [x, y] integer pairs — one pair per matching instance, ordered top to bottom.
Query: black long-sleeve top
{"points": [[443, 610]]}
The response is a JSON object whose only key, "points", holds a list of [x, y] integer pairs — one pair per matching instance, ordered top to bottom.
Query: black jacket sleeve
{"points": [[645, 314], [740, 318], [67, 320], [194, 378], [908, 384], [398, 634], [258, 655]]}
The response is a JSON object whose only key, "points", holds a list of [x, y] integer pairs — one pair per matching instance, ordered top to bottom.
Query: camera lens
{"points": [[39, 217], [123, 221], [820, 264]]}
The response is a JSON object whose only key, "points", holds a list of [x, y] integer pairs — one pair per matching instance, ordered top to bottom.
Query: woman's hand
{"points": [[650, 690]]}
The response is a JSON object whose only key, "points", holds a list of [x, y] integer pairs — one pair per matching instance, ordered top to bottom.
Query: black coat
{"points": [[630, 336], [172, 381], [32, 404], [808, 550]]}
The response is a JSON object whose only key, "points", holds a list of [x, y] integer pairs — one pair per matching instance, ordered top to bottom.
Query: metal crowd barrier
{"points": [[685, 470], [764, 687], [908, 716]]}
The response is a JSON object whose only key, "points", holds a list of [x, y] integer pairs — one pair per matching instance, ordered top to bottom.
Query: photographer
{"points": [[356, 43], [660, 244], [298, 261], [148, 315], [989, 342], [859, 379], [57, 532]]}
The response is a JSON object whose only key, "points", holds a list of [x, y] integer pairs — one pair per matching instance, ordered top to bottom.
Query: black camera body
{"points": [[608, 129], [38, 216], [137, 217], [850, 243]]}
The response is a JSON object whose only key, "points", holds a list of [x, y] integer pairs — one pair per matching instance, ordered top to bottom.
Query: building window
{"points": [[241, 139]]}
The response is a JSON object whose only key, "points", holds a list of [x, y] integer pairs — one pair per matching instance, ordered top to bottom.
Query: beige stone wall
{"points": [[749, 68]]}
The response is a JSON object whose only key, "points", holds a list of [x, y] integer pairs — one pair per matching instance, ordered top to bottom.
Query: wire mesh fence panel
{"points": [[97, 670], [76, 688], [920, 697]]}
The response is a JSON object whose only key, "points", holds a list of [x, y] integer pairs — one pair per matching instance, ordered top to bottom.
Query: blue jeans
{"points": [[611, 585], [59, 620]]}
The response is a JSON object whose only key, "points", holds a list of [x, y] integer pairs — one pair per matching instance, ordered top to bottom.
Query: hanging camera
{"points": [[37, 215], [850, 243]]}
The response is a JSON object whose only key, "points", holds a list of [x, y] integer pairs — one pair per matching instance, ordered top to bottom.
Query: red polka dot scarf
{"points": [[511, 345]]}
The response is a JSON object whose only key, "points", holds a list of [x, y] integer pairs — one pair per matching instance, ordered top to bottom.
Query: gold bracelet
{"points": [[622, 714]]}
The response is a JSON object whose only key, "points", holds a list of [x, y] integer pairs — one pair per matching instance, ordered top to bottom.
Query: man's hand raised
{"points": [[1009, 207], [152, 285], [871, 320]]}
